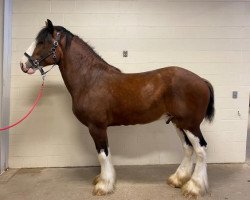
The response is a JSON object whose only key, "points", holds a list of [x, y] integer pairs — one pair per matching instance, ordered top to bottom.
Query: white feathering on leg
{"points": [[184, 171], [106, 180], [198, 184]]}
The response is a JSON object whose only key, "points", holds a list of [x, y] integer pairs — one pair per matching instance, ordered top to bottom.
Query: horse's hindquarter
{"points": [[190, 99]]}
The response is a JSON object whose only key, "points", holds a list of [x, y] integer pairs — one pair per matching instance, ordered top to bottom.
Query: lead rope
{"points": [[43, 74], [40, 93]]}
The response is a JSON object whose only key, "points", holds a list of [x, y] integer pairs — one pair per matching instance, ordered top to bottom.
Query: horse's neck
{"points": [[78, 66]]}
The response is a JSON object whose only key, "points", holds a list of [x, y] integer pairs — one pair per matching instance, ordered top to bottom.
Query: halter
{"points": [[35, 63]]}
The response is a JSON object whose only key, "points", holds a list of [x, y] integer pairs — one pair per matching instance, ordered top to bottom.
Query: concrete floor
{"points": [[227, 181]]}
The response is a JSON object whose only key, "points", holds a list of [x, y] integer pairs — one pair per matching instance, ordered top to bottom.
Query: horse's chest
{"points": [[89, 112], [80, 115]]}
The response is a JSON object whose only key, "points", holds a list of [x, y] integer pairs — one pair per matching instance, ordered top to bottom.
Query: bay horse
{"points": [[103, 96]]}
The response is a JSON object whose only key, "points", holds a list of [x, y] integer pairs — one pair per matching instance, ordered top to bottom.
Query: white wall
{"points": [[211, 38], [1, 52], [5, 74], [1, 82]]}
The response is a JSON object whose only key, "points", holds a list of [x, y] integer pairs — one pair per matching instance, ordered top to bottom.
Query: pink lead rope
{"points": [[30, 111]]}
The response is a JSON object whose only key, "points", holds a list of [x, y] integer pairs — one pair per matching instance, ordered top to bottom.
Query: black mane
{"points": [[45, 36], [93, 52]]}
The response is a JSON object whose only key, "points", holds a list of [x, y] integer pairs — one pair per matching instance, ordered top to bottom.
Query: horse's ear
{"points": [[50, 26]]}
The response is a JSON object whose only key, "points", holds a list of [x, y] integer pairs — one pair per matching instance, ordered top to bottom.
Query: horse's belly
{"points": [[139, 116]]}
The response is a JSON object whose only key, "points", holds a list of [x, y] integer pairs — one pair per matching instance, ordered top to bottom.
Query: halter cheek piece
{"points": [[35, 63]]}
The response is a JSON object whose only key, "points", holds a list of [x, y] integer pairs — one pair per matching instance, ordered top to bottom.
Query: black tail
{"points": [[210, 108]]}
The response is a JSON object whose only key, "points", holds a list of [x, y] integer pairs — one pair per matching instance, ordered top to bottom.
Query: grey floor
{"points": [[227, 181]]}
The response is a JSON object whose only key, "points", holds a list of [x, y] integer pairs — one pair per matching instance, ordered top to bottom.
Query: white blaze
{"points": [[29, 51]]}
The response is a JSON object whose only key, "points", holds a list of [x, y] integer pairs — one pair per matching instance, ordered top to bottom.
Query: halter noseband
{"points": [[35, 63]]}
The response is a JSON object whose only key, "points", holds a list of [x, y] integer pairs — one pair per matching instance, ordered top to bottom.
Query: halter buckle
{"points": [[55, 43], [36, 63]]}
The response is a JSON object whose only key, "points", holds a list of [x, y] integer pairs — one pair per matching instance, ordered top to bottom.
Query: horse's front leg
{"points": [[104, 183]]}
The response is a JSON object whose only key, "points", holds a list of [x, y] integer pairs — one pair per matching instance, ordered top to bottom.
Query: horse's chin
{"points": [[31, 71]]}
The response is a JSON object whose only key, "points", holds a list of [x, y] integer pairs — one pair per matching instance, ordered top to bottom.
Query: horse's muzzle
{"points": [[27, 70]]}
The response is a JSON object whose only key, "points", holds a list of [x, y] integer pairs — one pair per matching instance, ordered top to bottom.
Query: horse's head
{"points": [[43, 51]]}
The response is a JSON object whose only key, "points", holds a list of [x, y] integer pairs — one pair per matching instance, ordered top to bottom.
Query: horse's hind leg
{"points": [[185, 170], [105, 181], [198, 184]]}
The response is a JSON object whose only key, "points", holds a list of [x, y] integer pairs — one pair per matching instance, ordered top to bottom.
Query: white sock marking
{"points": [[187, 162], [186, 165], [185, 169], [200, 172], [107, 175]]}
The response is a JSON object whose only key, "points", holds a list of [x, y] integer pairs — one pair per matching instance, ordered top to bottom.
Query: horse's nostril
{"points": [[23, 68]]}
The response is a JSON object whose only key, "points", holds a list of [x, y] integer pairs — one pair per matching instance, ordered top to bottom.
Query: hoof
{"points": [[96, 180], [176, 181], [102, 188], [192, 189], [99, 192], [191, 196]]}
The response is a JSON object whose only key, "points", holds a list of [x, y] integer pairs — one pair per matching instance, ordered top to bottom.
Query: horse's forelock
{"points": [[44, 34]]}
